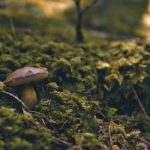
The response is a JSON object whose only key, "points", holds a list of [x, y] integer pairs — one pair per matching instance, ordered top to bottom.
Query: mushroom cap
{"points": [[26, 75]]}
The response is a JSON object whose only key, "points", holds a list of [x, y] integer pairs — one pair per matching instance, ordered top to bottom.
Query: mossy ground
{"points": [[89, 100]]}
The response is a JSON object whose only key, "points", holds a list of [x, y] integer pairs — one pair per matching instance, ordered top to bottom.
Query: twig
{"points": [[89, 6], [81, 12], [80, 15], [11, 23], [12, 27], [18, 99], [140, 103], [26, 108], [47, 119], [64, 124], [110, 138], [144, 140], [62, 141], [76, 147]]}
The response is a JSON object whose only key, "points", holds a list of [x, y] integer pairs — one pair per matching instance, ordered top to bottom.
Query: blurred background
{"points": [[107, 19]]}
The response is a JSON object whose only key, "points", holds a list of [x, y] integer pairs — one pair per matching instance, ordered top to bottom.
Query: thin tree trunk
{"points": [[80, 14], [79, 33]]}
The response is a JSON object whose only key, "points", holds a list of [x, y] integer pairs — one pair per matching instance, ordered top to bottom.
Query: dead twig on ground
{"points": [[17, 99], [26, 108]]}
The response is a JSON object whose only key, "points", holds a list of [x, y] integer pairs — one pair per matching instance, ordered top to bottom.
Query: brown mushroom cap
{"points": [[26, 75]]}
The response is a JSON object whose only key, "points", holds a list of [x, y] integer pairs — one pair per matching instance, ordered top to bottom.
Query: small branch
{"points": [[89, 6], [80, 15], [12, 26], [18, 100], [140, 103], [26, 108], [45, 117], [64, 125], [110, 138], [62, 141], [144, 141]]}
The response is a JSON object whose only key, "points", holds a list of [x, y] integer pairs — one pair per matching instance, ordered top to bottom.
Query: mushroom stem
{"points": [[28, 95]]}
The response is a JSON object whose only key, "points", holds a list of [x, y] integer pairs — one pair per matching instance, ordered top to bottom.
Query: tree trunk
{"points": [[79, 34]]}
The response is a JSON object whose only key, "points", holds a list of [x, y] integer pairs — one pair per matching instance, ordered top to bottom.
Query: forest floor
{"points": [[96, 95]]}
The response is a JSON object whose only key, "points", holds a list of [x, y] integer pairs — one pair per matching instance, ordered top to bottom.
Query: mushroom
{"points": [[25, 77]]}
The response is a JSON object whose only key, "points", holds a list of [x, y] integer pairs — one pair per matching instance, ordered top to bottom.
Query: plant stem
{"points": [[18, 99], [140, 103], [110, 138]]}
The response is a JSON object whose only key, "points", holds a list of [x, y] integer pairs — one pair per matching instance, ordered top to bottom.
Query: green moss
{"points": [[1, 86], [87, 94], [22, 132], [18, 144]]}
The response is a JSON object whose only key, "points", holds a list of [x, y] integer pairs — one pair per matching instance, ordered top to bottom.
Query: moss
{"points": [[1, 86], [82, 99], [21, 132], [18, 144]]}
